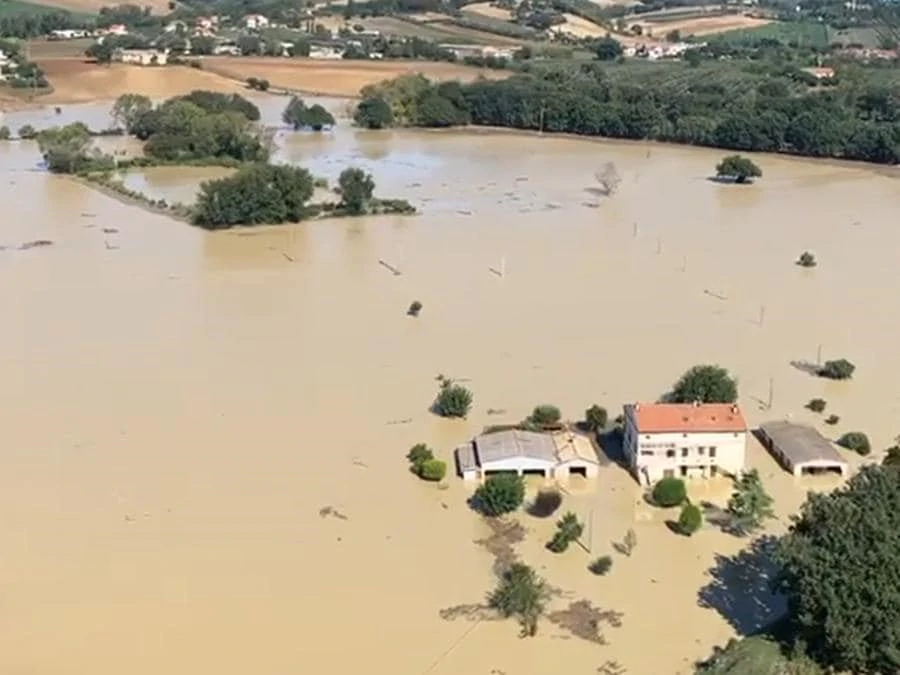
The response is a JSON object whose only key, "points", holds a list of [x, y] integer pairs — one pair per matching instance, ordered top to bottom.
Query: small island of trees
{"points": [[205, 129], [737, 169]]}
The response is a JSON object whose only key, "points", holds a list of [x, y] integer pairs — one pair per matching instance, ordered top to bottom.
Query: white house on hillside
{"points": [[255, 21], [692, 440]]}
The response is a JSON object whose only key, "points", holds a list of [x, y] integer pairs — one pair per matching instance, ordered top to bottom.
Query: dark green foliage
{"points": [[36, 21], [607, 49], [258, 84], [739, 106], [129, 108], [435, 110], [373, 113], [314, 117], [201, 125], [27, 132], [5, 133], [69, 149], [737, 168], [356, 188], [256, 194], [807, 259], [414, 308], [841, 369], [706, 384], [453, 400], [817, 405], [544, 415], [595, 418], [856, 441], [419, 453], [891, 457], [433, 470], [669, 492], [499, 494], [545, 503], [750, 505], [690, 519], [568, 529], [601, 565], [840, 571], [523, 594], [755, 655]]}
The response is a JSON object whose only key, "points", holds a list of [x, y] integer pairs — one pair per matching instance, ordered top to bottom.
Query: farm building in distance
{"points": [[141, 57], [690, 440], [801, 449], [551, 455]]}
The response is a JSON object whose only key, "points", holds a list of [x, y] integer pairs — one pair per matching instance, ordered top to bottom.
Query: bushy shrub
{"points": [[26, 132], [4, 133], [807, 259], [414, 308], [839, 369], [707, 384], [453, 400], [817, 405], [545, 414], [595, 418], [832, 420], [856, 441], [419, 453], [433, 470], [669, 492], [499, 494], [545, 503], [690, 520], [568, 529], [601, 565]]}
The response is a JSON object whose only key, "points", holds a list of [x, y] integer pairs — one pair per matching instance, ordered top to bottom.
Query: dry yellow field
{"points": [[489, 10], [704, 25], [580, 28], [336, 78]]}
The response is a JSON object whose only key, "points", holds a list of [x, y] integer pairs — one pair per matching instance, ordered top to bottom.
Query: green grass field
{"points": [[803, 33]]}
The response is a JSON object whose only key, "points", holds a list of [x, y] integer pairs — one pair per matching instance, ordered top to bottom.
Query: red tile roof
{"points": [[687, 417]]}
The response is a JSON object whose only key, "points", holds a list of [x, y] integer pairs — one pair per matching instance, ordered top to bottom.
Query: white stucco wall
{"points": [[650, 455], [519, 464]]}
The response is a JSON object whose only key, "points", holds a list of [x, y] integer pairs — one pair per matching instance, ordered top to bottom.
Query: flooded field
{"points": [[203, 442]]}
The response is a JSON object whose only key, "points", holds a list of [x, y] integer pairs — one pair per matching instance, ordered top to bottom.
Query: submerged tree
{"points": [[129, 108], [373, 113], [298, 115], [737, 168], [609, 178], [356, 188], [706, 384], [453, 400], [500, 494], [750, 505], [568, 529], [523, 594]]}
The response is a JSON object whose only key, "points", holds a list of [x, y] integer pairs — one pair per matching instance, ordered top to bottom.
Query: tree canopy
{"points": [[373, 113], [299, 115], [70, 149], [737, 168], [356, 188], [256, 194], [706, 384], [499, 494], [750, 505], [840, 571], [523, 594]]}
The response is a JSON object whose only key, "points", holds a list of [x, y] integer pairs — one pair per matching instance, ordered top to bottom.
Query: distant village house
{"points": [[255, 22], [141, 57], [694, 440], [551, 455]]}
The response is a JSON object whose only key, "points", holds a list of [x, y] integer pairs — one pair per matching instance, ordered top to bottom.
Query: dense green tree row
{"points": [[725, 106]]}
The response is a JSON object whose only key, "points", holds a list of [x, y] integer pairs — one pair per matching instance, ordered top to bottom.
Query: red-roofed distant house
{"points": [[684, 440]]}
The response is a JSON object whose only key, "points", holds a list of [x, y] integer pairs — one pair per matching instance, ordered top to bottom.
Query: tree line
{"points": [[733, 106]]}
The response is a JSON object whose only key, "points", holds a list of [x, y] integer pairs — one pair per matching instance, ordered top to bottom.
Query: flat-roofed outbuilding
{"points": [[800, 449]]}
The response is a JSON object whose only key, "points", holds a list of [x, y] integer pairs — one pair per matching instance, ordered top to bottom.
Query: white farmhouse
{"points": [[255, 22], [693, 440], [551, 455]]}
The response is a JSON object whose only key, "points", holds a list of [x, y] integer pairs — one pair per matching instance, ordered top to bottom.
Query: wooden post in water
{"points": [[634, 229], [762, 314], [771, 393]]}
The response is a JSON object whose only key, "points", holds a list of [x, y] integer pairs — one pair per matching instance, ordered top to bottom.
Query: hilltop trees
{"points": [[738, 169], [705, 383], [840, 568]]}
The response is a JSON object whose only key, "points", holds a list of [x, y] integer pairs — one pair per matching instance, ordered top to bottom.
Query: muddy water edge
{"points": [[203, 438]]}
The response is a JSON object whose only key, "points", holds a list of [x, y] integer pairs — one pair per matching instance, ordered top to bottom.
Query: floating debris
{"points": [[110, 230], [35, 244], [393, 269], [408, 420], [330, 511]]}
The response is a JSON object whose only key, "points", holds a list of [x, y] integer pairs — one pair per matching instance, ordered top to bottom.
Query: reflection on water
{"points": [[177, 407]]}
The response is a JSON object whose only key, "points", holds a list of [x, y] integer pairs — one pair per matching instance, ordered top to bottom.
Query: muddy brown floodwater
{"points": [[201, 466]]}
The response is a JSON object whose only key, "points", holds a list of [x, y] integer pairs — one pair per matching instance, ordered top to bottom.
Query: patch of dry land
{"points": [[489, 10], [704, 25], [580, 28], [337, 78], [75, 80], [204, 433]]}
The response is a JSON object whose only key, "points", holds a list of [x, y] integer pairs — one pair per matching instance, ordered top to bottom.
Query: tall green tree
{"points": [[128, 108], [356, 189], [705, 383], [750, 505], [840, 571]]}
